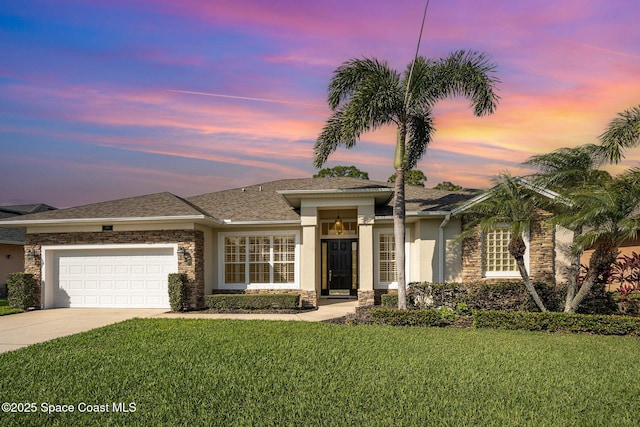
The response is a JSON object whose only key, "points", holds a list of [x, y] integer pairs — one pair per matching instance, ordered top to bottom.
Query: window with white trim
{"points": [[259, 258], [496, 259], [385, 267], [387, 270]]}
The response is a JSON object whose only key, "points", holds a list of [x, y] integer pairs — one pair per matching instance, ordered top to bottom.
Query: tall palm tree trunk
{"points": [[399, 216], [398, 232]]}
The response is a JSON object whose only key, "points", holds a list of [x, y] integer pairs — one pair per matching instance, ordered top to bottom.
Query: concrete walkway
{"points": [[23, 329]]}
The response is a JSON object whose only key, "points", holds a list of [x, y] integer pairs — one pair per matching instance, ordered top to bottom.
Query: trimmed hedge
{"points": [[20, 287], [178, 291], [476, 296], [509, 296], [252, 301], [426, 317], [512, 320], [557, 322]]}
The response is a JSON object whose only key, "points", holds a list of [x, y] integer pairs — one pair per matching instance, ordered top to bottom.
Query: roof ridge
{"points": [[192, 205]]}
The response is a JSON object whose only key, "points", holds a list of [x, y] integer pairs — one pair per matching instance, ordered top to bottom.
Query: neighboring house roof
{"points": [[270, 202], [152, 206], [17, 236]]}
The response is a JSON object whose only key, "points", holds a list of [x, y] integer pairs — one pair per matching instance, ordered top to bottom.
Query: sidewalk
{"points": [[328, 309]]}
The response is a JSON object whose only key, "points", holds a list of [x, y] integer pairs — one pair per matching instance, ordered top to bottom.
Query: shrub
{"points": [[626, 271], [20, 288], [178, 291], [428, 295], [510, 296], [252, 301], [391, 301], [597, 301], [426, 317], [557, 322]]}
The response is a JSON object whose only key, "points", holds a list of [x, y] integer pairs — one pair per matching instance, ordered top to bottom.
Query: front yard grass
{"points": [[6, 309], [232, 372]]}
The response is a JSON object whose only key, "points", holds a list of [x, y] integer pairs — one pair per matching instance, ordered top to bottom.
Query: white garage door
{"points": [[114, 277]]}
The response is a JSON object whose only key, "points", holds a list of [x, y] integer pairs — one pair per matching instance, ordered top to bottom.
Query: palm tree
{"points": [[365, 94], [621, 133], [567, 168], [566, 171], [508, 202], [608, 212]]}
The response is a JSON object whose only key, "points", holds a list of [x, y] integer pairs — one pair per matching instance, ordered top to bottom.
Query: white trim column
{"points": [[309, 251], [366, 251]]}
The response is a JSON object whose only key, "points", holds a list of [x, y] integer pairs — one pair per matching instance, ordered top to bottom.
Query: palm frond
{"points": [[464, 73], [351, 75], [420, 131], [622, 132], [330, 138], [567, 167]]}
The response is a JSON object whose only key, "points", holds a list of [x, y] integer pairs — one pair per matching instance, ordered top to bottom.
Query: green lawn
{"points": [[5, 309], [226, 372]]}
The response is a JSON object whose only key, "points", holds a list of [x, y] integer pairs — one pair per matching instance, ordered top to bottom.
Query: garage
{"points": [[114, 277]]}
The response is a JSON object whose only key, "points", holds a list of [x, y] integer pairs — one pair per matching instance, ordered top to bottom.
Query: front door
{"points": [[340, 269]]}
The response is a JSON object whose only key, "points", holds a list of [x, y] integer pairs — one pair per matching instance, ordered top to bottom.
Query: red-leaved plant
{"points": [[626, 272]]}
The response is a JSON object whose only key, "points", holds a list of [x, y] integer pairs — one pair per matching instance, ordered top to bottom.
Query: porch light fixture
{"points": [[338, 226]]}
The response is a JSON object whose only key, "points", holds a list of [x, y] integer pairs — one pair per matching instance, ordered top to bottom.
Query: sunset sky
{"points": [[109, 99]]}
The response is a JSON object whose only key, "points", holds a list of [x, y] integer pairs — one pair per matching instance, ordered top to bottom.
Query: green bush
{"points": [[20, 288], [178, 291], [428, 295], [510, 296], [252, 301], [391, 301], [597, 301], [426, 317], [557, 322]]}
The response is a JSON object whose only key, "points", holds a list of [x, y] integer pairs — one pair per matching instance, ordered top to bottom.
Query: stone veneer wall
{"points": [[541, 255], [192, 263], [366, 298], [308, 299]]}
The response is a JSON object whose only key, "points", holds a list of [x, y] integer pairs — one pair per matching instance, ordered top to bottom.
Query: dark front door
{"points": [[341, 271]]}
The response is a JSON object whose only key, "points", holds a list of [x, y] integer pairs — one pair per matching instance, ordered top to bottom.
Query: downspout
{"points": [[441, 247]]}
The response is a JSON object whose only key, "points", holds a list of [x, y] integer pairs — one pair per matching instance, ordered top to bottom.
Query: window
{"points": [[259, 259], [496, 259], [385, 268], [387, 272]]}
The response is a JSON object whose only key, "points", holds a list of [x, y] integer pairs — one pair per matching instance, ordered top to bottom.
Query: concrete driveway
{"points": [[23, 329]]}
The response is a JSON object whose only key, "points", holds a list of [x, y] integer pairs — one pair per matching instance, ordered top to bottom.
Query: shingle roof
{"points": [[261, 202], [152, 205], [17, 236]]}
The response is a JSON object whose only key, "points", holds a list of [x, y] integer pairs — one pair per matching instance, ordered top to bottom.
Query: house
{"points": [[319, 237], [12, 241]]}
